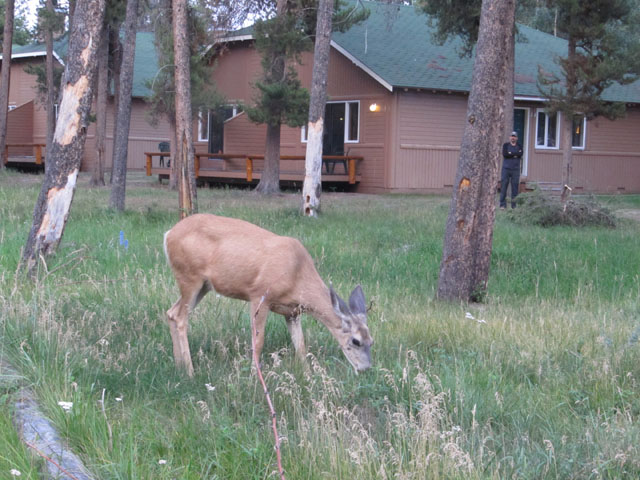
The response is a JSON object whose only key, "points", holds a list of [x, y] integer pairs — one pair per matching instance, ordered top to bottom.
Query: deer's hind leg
{"points": [[178, 318], [294, 325]]}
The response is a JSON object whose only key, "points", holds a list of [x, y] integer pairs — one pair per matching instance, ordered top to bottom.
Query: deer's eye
{"points": [[356, 342]]}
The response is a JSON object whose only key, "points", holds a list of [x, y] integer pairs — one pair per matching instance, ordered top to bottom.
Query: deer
{"points": [[240, 260]]}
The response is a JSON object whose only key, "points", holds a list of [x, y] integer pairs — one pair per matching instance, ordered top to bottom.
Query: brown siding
{"points": [[239, 67], [20, 129], [429, 130], [610, 161]]}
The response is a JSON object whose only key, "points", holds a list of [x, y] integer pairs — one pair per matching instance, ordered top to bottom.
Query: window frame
{"points": [[234, 113], [347, 121], [583, 136], [545, 146]]}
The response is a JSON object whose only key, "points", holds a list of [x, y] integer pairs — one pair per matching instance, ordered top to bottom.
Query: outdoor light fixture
{"points": [[374, 107]]}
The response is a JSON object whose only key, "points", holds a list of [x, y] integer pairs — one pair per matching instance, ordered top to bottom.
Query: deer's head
{"points": [[353, 336]]}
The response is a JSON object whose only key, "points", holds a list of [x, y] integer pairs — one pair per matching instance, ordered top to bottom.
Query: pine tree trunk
{"points": [[115, 48], [4, 77], [509, 88], [51, 116], [123, 117], [567, 118], [184, 153], [97, 173], [173, 174], [270, 179], [312, 187], [54, 202], [464, 269]]}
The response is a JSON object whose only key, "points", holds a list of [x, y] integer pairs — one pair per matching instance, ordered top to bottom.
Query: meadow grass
{"points": [[540, 381]]}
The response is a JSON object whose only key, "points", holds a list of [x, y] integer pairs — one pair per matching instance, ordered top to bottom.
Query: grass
{"points": [[541, 382]]}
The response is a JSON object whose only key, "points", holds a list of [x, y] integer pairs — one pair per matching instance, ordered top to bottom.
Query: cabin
{"points": [[394, 117]]}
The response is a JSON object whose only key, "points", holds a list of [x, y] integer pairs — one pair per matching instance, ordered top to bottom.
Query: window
{"points": [[12, 106], [204, 118], [351, 120], [203, 126], [547, 130], [579, 131]]}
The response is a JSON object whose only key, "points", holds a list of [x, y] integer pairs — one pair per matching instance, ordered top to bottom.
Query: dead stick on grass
{"points": [[256, 362], [51, 460]]}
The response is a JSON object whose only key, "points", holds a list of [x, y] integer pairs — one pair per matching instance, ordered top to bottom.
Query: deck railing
{"points": [[38, 158]]}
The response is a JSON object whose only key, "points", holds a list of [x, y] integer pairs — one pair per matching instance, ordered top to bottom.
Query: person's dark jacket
{"points": [[512, 155]]}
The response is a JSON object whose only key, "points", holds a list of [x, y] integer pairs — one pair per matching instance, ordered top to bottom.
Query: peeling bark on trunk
{"points": [[4, 77], [123, 117], [184, 154], [97, 173], [270, 179], [312, 187], [54, 202], [464, 269]]}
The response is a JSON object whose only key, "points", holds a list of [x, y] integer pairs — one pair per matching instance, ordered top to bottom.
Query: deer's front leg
{"points": [[259, 312], [294, 325], [178, 326]]}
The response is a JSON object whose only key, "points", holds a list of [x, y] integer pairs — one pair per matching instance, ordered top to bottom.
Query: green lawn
{"points": [[540, 381]]}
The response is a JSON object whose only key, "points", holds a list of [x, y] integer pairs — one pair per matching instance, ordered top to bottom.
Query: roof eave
{"points": [[34, 54]]}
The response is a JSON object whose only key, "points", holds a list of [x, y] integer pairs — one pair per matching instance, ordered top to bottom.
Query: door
{"points": [[520, 123], [216, 128], [333, 135]]}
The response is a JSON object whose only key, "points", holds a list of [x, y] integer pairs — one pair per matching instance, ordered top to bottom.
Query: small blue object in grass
{"points": [[124, 242]]}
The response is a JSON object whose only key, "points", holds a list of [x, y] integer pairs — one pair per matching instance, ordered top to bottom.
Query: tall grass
{"points": [[541, 381]]}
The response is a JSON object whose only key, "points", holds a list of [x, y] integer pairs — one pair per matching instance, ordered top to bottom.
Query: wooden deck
{"points": [[24, 155], [244, 168]]}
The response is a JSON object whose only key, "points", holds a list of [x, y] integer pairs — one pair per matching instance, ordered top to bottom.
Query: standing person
{"points": [[512, 154]]}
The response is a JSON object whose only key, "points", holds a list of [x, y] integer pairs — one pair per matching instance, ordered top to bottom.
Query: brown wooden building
{"points": [[396, 99]]}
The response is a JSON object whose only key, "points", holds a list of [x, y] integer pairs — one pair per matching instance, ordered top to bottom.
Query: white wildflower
{"points": [[469, 316], [209, 387], [118, 399], [66, 406], [162, 461], [15, 473]]}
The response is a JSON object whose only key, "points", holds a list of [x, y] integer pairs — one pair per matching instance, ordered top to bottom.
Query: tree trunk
{"points": [[115, 48], [4, 77], [509, 103], [51, 115], [123, 116], [567, 118], [184, 119], [97, 173], [173, 174], [270, 179], [312, 187], [54, 202], [466, 256]]}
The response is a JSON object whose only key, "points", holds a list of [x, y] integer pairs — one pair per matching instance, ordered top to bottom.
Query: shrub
{"points": [[545, 210]]}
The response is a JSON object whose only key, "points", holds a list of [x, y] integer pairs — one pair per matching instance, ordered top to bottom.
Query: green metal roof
{"points": [[395, 45], [145, 66]]}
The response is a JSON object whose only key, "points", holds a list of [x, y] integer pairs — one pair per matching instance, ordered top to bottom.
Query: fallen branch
{"points": [[256, 362], [51, 460]]}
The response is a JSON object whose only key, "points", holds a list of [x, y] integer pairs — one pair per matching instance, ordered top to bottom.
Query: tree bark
{"points": [[115, 48], [5, 76], [102, 87], [509, 87], [51, 116], [123, 117], [567, 118], [184, 119], [270, 179], [312, 186], [54, 202], [464, 269]]}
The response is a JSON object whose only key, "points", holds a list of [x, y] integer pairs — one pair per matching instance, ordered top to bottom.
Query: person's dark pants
{"points": [[509, 175]]}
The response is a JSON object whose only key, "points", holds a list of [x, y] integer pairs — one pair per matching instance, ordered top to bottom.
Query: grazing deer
{"points": [[240, 260]]}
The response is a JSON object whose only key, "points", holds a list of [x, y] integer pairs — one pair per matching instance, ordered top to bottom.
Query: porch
{"points": [[24, 155], [247, 169]]}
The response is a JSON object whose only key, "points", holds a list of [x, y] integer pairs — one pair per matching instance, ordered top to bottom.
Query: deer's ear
{"points": [[357, 302], [338, 304]]}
